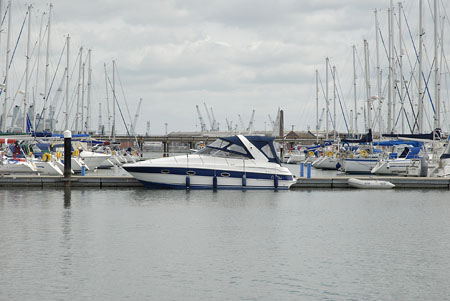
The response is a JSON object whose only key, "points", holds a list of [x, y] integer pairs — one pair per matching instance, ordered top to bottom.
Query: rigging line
{"points": [[4, 16], [15, 48], [417, 57], [70, 79], [51, 84], [76, 86], [123, 94], [326, 101], [412, 107], [342, 109], [120, 110]]}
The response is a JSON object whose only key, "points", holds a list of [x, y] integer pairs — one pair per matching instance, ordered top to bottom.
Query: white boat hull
{"points": [[359, 165], [199, 173]]}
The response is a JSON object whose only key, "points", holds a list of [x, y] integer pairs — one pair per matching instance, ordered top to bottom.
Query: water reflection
{"points": [[67, 196]]}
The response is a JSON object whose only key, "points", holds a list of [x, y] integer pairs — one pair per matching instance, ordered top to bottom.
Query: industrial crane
{"points": [[136, 116], [209, 117], [202, 122], [241, 122], [250, 124], [229, 125], [215, 126]]}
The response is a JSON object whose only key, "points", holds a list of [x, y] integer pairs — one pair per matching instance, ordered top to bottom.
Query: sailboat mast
{"points": [[421, 33], [377, 42], [8, 53], [38, 56], [327, 62], [47, 64], [400, 65], [83, 67], [27, 73], [394, 81], [354, 91], [107, 100], [114, 101], [334, 103], [88, 104], [389, 104], [317, 105], [369, 107], [77, 118], [437, 121]]}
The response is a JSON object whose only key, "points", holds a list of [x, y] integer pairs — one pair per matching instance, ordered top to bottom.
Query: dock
{"points": [[76, 181], [104, 181], [399, 182]]}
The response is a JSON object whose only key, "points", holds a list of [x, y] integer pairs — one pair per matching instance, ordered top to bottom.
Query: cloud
{"points": [[235, 55]]}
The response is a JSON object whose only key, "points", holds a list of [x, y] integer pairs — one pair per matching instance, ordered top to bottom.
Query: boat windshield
{"points": [[224, 149]]}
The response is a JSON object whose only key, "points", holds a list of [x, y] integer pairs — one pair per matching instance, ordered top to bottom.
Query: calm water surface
{"points": [[229, 245]]}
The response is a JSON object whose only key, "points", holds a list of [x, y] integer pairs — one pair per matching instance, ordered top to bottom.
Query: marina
{"points": [[240, 150]]}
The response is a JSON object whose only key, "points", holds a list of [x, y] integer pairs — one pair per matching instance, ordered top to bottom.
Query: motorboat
{"points": [[236, 162], [370, 184]]}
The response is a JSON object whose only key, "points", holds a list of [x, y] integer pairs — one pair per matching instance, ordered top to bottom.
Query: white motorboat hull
{"points": [[199, 173], [252, 181], [370, 184]]}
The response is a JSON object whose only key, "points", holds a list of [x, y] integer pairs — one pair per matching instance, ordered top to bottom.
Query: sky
{"points": [[236, 56]]}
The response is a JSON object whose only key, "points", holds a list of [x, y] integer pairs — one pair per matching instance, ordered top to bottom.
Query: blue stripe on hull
{"points": [[205, 172], [153, 185]]}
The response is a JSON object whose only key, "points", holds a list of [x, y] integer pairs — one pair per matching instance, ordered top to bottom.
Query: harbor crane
{"points": [[136, 116], [209, 116], [202, 122], [241, 122], [250, 124], [229, 125], [215, 126]]}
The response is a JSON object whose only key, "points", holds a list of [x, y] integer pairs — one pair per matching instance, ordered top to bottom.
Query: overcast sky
{"points": [[235, 55]]}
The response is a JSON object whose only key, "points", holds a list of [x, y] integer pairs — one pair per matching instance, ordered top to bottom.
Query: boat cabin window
{"points": [[219, 143], [237, 148], [224, 149], [267, 151]]}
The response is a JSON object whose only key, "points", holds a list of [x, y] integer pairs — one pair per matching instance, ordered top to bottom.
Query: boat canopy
{"points": [[398, 142], [265, 145], [233, 147]]}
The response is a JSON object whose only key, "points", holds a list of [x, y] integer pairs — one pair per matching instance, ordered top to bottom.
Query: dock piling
{"points": [[67, 155]]}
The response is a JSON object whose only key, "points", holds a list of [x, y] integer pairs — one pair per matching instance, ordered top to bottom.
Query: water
{"points": [[140, 244]]}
